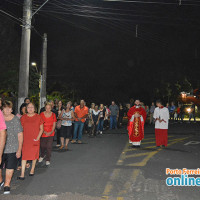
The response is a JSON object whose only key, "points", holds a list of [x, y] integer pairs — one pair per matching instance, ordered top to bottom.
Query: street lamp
{"points": [[34, 64]]}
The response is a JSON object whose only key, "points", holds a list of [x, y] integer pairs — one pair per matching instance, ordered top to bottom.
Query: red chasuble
{"points": [[136, 125]]}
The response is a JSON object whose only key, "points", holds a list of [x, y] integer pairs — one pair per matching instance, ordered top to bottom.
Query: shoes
{"points": [[101, 132], [73, 141], [79, 142], [58, 145], [61, 147], [40, 159], [48, 163], [31, 174], [20, 178], [1, 185], [6, 190]]}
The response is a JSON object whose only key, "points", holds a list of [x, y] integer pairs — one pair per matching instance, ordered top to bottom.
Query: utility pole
{"points": [[25, 53], [43, 72]]}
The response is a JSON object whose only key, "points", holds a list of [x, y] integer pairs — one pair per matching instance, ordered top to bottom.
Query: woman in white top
{"points": [[67, 116], [95, 119], [89, 124]]}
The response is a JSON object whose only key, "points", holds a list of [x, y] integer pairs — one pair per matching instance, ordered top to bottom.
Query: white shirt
{"points": [[163, 114], [67, 115]]}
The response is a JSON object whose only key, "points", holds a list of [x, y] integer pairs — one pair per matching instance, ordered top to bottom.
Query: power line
{"points": [[152, 2], [40, 8], [4, 12], [37, 32], [152, 38]]}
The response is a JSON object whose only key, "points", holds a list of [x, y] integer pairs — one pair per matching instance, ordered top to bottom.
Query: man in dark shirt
{"points": [[114, 114]]}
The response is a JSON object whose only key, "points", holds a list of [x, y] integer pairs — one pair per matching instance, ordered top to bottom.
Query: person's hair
{"points": [[26, 99], [159, 101], [69, 102], [7, 104], [29, 104], [48, 104], [96, 106], [21, 107]]}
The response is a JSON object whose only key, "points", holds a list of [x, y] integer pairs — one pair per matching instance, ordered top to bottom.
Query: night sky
{"points": [[93, 48]]}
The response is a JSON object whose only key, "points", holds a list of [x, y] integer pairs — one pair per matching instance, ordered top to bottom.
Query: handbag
{"points": [[58, 125]]}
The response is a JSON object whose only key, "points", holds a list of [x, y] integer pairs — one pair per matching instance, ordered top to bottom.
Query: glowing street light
{"points": [[34, 64]]}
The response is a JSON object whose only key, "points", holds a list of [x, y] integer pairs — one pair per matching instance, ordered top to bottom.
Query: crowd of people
{"points": [[177, 112], [28, 136]]}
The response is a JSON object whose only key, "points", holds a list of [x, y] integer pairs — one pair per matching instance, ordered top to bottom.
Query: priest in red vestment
{"points": [[136, 116]]}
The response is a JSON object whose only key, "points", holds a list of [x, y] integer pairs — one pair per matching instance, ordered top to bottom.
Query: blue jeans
{"points": [[192, 115], [113, 122], [100, 125], [78, 128]]}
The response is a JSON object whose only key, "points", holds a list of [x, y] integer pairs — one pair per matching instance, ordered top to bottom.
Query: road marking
{"points": [[153, 138], [155, 141], [192, 142], [143, 148], [136, 155], [150, 155], [123, 157], [145, 160], [115, 174], [127, 185], [109, 186], [107, 189]]}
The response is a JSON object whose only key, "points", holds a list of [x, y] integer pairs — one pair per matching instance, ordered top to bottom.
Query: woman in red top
{"points": [[32, 124], [46, 140]]}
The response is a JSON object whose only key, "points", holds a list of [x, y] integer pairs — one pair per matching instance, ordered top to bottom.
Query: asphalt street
{"points": [[107, 167]]}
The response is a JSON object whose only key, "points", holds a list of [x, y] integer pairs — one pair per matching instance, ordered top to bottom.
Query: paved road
{"points": [[107, 167]]}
